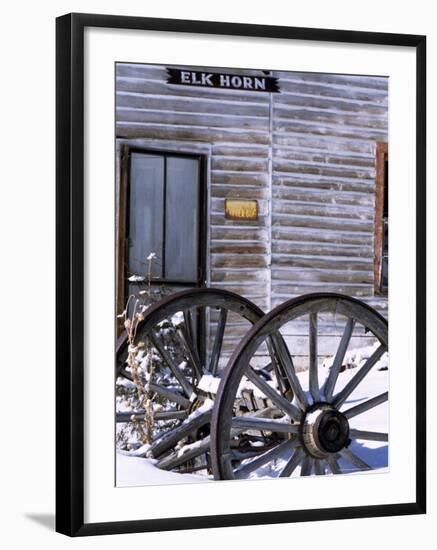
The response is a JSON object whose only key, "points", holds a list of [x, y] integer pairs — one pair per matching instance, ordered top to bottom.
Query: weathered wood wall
{"points": [[307, 154]]}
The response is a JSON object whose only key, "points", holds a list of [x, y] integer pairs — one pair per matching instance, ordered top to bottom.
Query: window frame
{"points": [[381, 156], [122, 220]]}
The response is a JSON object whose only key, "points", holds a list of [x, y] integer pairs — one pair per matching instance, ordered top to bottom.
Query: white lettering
{"points": [[194, 79], [206, 79], [225, 80], [236, 82], [247, 83], [260, 83]]}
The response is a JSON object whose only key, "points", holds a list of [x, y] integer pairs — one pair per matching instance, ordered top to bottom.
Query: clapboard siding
{"points": [[346, 90], [173, 103], [333, 104], [178, 118], [285, 126], [236, 127], [132, 130], [323, 143], [307, 154], [290, 155], [287, 166], [236, 179], [323, 189], [246, 192], [314, 196], [310, 208], [312, 235], [321, 261]]}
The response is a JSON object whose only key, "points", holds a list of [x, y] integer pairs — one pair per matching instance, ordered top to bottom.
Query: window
{"points": [[160, 212], [381, 220]]}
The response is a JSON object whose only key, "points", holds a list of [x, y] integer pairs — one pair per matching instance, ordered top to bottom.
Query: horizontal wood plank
{"points": [[306, 154]]}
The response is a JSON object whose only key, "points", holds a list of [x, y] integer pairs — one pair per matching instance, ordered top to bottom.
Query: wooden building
{"points": [[313, 155]]}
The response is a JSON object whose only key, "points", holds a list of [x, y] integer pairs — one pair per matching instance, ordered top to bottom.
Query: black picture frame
{"points": [[70, 273]]}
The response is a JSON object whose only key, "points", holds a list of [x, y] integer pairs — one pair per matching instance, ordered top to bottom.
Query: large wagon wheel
{"points": [[173, 327], [315, 432]]}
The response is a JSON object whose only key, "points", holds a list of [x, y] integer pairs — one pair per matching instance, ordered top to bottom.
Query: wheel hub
{"points": [[325, 430]]}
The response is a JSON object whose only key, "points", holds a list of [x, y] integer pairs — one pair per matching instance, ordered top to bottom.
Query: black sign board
{"points": [[206, 79]]}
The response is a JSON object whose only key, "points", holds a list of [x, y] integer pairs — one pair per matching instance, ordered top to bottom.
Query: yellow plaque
{"points": [[241, 209]]}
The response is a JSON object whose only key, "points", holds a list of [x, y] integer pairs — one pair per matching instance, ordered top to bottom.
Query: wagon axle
{"points": [[318, 412], [257, 415], [324, 430]]}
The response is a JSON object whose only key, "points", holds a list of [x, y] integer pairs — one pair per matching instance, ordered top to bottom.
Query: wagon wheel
{"points": [[173, 329], [327, 426]]}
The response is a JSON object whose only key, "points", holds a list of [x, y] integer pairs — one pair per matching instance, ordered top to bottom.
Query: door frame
{"points": [[122, 218]]}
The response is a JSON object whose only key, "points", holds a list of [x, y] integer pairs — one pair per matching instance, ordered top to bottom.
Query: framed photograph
{"points": [[227, 283]]}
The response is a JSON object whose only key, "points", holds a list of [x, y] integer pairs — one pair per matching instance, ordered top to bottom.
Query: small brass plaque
{"points": [[241, 209]]}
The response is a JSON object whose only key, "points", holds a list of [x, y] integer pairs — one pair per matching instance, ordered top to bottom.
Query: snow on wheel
{"points": [[186, 337], [336, 421]]}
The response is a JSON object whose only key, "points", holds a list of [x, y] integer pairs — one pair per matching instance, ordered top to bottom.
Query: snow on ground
{"points": [[374, 453], [133, 470]]}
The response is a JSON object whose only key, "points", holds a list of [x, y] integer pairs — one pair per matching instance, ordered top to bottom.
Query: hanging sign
{"points": [[248, 83]]}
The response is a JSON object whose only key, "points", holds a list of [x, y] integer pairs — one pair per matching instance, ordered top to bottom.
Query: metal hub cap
{"points": [[325, 430]]}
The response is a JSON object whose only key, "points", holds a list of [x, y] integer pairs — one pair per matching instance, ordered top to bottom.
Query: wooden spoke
{"points": [[196, 316], [188, 323], [190, 327], [191, 330], [218, 341], [190, 350], [338, 360], [286, 362], [313, 369], [266, 371], [177, 373], [281, 378], [174, 384], [272, 394], [170, 395], [341, 397], [367, 405], [320, 409], [159, 415], [170, 415], [263, 424], [368, 436], [170, 438], [188, 452], [354, 459], [292, 462], [334, 465], [307, 466], [319, 467], [246, 469]]}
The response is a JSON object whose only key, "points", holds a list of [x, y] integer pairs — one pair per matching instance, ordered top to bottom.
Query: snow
{"points": [[136, 279], [177, 319], [356, 358], [126, 383], [209, 383], [246, 385], [205, 407], [190, 447], [141, 451], [374, 453], [134, 471]]}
